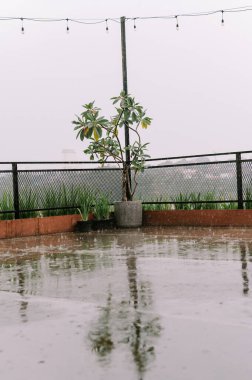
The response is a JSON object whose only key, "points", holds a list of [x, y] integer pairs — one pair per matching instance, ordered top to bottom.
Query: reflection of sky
{"points": [[64, 264], [129, 297]]}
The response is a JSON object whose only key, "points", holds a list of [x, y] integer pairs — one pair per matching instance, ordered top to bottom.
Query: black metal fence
{"points": [[214, 178]]}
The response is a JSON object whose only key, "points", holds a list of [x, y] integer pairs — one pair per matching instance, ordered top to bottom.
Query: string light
{"points": [[222, 18], [117, 20], [177, 24], [22, 25], [67, 28]]}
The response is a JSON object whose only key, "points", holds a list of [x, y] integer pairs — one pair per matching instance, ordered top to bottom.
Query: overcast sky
{"points": [[196, 82]]}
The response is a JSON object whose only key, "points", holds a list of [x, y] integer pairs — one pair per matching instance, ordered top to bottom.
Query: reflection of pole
{"points": [[125, 89], [132, 276], [245, 277]]}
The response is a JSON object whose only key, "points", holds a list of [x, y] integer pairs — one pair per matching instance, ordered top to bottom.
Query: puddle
{"points": [[131, 304]]}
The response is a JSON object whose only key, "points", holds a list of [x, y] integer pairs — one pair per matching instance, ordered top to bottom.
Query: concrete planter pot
{"points": [[128, 214]]}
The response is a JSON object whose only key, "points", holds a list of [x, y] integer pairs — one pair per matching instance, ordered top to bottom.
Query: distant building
{"points": [[68, 155]]}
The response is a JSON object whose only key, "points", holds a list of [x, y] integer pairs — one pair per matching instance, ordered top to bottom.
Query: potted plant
{"points": [[105, 143], [102, 219], [85, 224]]}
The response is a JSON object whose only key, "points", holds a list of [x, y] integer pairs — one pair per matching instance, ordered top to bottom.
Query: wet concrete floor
{"points": [[138, 304]]}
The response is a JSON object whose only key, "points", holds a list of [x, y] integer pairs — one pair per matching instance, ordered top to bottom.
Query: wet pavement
{"points": [[152, 303]]}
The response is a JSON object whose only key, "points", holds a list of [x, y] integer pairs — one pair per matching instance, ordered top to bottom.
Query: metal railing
{"points": [[227, 176]]}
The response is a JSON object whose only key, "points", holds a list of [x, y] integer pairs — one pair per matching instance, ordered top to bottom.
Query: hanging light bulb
{"points": [[222, 18], [134, 24], [177, 24], [22, 26], [67, 28], [107, 28]]}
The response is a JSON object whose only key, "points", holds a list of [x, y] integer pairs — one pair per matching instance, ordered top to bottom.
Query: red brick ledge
{"points": [[198, 218], [66, 223], [37, 226]]}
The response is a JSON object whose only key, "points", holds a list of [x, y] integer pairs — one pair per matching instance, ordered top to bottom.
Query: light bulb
{"points": [[222, 19], [177, 25], [22, 27]]}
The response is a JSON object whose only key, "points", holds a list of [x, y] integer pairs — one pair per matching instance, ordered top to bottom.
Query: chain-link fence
{"points": [[215, 178]]}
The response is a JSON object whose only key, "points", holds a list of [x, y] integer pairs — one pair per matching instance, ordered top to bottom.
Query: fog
{"points": [[194, 82]]}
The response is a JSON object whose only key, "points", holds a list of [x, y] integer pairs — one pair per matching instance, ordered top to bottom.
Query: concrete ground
{"points": [[151, 303]]}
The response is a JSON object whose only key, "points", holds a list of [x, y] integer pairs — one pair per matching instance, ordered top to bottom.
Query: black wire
{"points": [[196, 14], [117, 20], [80, 21]]}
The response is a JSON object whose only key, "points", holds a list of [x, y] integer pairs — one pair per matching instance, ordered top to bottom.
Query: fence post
{"points": [[239, 181], [15, 189]]}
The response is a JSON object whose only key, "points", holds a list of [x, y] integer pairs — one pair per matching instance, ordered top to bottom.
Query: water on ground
{"points": [[131, 304]]}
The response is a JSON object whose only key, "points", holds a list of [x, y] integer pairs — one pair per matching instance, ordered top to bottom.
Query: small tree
{"points": [[105, 142]]}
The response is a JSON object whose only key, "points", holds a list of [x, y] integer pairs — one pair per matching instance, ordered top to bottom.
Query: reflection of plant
{"points": [[244, 262], [129, 322], [142, 330], [100, 337]]}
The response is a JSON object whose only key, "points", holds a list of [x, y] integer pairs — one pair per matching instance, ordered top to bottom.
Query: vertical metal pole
{"points": [[124, 55], [125, 89], [239, 181], [15, 189]]}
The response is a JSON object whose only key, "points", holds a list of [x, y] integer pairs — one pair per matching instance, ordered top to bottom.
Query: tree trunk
{"points": [[126, 190]]}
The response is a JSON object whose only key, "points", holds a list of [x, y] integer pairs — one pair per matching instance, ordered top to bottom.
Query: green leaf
{"points": [[89, 133], [96, 135]]}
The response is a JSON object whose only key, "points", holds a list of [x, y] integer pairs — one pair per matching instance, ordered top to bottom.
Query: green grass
{"points": [[66, 197], [51, 198], [58, 198], [248, 198], [183, 199], [28, 200], [84, 200], [192, 201], [6, 204], [157, 206], [101, 207]]}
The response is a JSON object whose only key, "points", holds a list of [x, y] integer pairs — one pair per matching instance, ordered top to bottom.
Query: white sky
{"points": [[196, 82]]}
